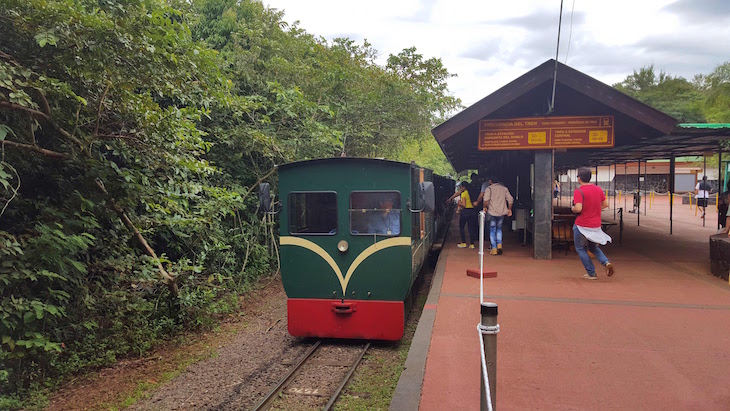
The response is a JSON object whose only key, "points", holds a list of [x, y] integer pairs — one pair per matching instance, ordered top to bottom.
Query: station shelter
{"points": [[555, 118]]}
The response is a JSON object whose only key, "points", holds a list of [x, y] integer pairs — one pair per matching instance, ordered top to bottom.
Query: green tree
{"points": [[716, 87], [673, 95], [131, 136], [109, 204]]}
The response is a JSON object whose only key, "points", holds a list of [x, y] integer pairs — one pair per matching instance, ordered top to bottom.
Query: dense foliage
{"points": [[705, 99], [131, 133]]}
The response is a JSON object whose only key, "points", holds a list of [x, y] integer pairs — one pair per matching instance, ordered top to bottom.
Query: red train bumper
{"points": [[372, 320]]}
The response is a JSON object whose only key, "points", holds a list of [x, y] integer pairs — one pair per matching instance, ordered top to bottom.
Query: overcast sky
{"points": [[489, 43]]}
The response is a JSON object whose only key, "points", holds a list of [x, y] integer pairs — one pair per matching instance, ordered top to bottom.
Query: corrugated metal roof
{"points": [[704, 125]]}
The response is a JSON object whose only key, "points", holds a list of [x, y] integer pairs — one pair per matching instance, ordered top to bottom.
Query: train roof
{"points": [[345, 160]]}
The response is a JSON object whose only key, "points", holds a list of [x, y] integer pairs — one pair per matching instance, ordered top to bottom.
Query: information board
{"points": [[545, 133]]}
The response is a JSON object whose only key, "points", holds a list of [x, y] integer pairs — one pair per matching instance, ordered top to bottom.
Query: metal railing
{"points": [[487, 330]]}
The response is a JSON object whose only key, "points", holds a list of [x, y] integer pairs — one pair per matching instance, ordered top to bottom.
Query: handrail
{"points": [[485, 327], [481, 330]]}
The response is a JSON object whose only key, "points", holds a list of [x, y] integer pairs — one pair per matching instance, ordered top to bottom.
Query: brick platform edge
{"points": [[407, 396]]}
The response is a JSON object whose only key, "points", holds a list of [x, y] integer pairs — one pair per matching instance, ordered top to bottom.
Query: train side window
{"points": [[375, 212], [313, 213]]}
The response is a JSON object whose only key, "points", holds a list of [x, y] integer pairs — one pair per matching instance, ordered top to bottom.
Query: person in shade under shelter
{"points": [[702, 190], [588, 201], [497, 203], [468, 215], [723, 219]]}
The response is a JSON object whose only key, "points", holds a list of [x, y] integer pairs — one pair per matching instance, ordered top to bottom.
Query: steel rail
{"points": [[344, 382], [271, 396]]}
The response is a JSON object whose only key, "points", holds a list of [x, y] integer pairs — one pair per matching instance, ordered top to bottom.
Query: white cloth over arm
{"points": [[595, 235]]}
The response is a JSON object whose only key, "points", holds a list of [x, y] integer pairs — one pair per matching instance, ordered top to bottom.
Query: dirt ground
{"points": [[243, 358], [233, 368]]}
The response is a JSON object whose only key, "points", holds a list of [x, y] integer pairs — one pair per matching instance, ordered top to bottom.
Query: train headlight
{"points": [[342, 246]]}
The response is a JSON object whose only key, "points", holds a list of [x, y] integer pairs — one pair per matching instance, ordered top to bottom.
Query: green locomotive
{"points": [[354, 234]]}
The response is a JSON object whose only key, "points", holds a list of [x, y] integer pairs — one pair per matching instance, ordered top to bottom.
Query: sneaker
{"points": [[461, 245], [471, 246], [499, 249], [493, 252], [609, 269], [589, 277]]}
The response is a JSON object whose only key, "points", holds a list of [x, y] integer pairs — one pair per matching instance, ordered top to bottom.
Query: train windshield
{"points": [[375, 212], [313, 213]]}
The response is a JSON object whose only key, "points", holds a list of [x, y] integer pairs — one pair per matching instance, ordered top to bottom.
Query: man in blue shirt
{"points": [[384, 220]]}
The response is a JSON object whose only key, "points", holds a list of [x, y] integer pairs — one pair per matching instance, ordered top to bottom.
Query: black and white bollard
{"points": [[488, 329]]}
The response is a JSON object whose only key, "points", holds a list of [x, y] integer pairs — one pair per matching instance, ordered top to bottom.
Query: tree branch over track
{"points": [[39, 115], [36, 149], [169, 280]]}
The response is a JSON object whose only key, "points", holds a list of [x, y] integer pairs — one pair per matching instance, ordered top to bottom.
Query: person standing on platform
{"points": [[556, 189], [702, 190], [457, 193], [588, 201], [497, 204], [468, 216], [723, 219]]}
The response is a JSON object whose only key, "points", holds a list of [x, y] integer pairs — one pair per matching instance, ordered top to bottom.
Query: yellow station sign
{"points": [[544, 133]]}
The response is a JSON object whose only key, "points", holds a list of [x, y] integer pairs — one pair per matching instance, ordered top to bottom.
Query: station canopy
{"points": [[640, 131]]}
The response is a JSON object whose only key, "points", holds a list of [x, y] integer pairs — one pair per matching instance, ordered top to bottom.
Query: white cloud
{"points": [[490, 43]]}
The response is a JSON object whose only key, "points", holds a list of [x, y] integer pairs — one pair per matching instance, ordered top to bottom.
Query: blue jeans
{"points": [[495, 230], [582, 245]]}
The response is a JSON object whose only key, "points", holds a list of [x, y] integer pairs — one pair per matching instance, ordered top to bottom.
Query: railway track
{"points": [[323, 372]]}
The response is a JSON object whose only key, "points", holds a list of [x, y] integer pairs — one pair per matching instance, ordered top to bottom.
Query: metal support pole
{"points": [[570, 180], [626, 180], [719, 181], [646, 183], [720, 185], [614, 188], [671, 192], [638, 194], [707, 200], [489, 329]]}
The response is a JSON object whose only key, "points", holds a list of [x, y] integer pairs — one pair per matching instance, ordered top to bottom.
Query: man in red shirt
{"points": [[588, 201]]}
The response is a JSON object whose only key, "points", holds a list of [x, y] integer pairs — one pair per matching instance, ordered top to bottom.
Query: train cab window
{"points": [[375, 212], [313, 213]]}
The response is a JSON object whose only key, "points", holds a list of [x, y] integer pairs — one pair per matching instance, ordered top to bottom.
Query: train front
{"points": [[346, 250]]}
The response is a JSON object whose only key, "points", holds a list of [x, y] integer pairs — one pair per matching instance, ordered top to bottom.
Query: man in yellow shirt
{"points": [[468, 216]]}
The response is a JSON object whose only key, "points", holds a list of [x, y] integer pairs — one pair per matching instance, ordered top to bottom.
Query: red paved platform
{"points": [[654, 336]]}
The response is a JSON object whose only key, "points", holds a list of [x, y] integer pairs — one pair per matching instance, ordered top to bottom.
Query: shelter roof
{"points": [[640, 130], [683, 140]]}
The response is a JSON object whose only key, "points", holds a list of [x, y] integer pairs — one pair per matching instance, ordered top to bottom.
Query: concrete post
{"points": [[543, 206], [489, 339]]}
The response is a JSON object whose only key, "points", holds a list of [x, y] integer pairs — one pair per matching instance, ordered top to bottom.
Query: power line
{"points": [[570, 36], [557, 51]]}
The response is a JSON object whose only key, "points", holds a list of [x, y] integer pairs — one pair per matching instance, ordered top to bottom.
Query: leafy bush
{"points": [[130, 133]]}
